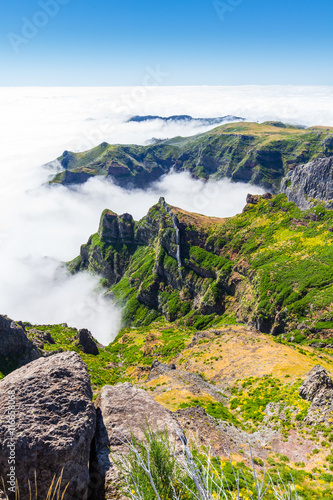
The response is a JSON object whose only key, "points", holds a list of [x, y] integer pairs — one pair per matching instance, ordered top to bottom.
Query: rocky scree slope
{"points": [[248, 152], [269, 267]]}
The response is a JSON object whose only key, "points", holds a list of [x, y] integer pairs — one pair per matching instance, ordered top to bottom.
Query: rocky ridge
{"points": [[187, 119], [244, 152], [169, 252], [183, 265]]}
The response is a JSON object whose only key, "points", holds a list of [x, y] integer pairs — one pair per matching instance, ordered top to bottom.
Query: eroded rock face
{"points": [[310, 182], [116, 229], [15, 345], [318, 388], [122, 409], [55, 422]]}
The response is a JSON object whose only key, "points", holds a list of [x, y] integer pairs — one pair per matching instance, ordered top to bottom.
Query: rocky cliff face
{"points": [[307, 184], [159, 263], [177, 264], [15, 348], [318, 388], [53, 420]]}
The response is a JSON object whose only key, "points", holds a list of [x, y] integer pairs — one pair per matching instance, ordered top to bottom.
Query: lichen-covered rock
{"points": [[310, 183], [86, 343], [15, 348], [318, 388], [121, 410], [54, 424]]}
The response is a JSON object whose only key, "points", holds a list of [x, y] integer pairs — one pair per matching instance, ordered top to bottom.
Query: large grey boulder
{"points": [[309, 183], [15, 348], [318, 389], [121, 410], [54, 424]]}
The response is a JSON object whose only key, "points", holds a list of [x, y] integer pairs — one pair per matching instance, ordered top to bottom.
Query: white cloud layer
{"points": [[42, 226]]}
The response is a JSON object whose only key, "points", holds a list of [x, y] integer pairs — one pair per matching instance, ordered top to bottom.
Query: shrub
{"points": [[153, 470]]}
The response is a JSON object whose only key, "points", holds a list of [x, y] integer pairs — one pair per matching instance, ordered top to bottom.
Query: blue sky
{"points": [[203, 42]]}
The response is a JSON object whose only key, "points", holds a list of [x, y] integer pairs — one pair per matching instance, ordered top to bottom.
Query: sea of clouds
{"points": [[43, 226]]}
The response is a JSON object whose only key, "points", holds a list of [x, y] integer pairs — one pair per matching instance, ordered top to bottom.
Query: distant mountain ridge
{"points": [[187, 118], [254, 153]]}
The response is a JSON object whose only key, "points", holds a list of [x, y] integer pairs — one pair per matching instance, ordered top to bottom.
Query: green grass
{"points": [[251, 397]]}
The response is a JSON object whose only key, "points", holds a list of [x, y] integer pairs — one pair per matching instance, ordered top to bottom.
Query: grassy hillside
{"points": [[248, 152], [270, 267]]}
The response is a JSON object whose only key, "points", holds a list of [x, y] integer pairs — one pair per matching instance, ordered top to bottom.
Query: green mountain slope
{"points": [[248, 152], [270, 267]]}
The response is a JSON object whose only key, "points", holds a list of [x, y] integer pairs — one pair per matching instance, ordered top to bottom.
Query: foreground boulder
{"points": [[308, 183], [15, 348], [318, 388], [121, 410], [53, 426]]}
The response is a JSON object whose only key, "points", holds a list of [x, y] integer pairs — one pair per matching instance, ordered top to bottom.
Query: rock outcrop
{"points": [[310, 183], [253, 199], [114, 229], [155, 260], [86, 343], [15, 348], [318, 389], [121, 410], [53, 425]]}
